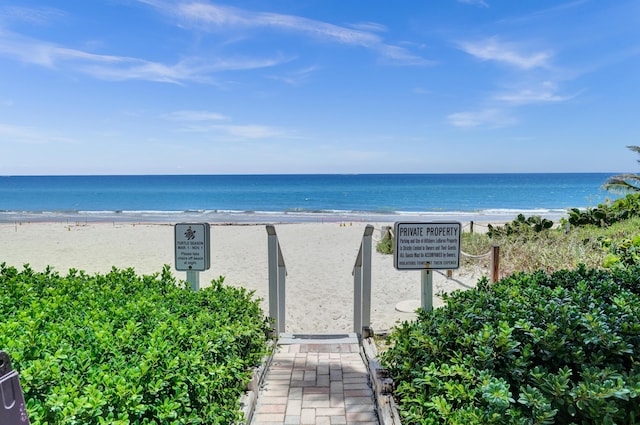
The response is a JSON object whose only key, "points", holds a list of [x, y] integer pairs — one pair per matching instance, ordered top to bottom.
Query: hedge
{"points": [[120, 348], [530, 349]]}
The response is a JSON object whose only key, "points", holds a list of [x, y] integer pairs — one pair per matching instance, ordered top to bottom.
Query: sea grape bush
{"points": [[605, 215], [520, 226], [622, 253], [120, 348], [531, 349]]}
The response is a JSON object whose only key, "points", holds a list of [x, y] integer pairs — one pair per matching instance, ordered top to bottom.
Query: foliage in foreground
{"points": [[127, 349], [531, 349]]}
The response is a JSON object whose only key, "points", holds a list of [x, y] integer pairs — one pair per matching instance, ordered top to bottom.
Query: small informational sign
{"points": [[193, 242], [420, 246]]}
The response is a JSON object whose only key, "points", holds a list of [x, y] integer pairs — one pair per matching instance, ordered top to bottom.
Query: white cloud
{"points": [[481, 3], [33, 15], [212, 17], [369, 26], [510, 53], [120, 68], [296, 78], [545, 93], [195, 116], [489, 117], [200, 122], [251, 131], [25, 135]]}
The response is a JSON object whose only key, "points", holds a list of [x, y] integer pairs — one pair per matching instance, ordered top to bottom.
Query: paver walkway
{"points": [[316, 381]]}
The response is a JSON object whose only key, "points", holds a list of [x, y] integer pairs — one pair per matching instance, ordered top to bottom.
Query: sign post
{"points": [[426, 247], [192, 250]]}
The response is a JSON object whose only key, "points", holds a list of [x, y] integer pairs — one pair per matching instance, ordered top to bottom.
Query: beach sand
{"points": [[319, 259]]}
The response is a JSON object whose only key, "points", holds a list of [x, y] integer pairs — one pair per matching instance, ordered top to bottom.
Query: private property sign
{"points": [[192, 242], [420, 246]]}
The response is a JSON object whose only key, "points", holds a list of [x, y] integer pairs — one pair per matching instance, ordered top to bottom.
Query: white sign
{"points": [[192, 241], [420, 246]]}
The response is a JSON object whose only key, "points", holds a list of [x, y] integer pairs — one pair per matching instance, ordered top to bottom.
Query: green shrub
{"points": [[604, 214], [521, 226], [385, 246], [621, 252], [126, 349], [531, 349]]}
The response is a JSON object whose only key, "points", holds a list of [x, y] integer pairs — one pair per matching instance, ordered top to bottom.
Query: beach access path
{"points": [[318, 381]]}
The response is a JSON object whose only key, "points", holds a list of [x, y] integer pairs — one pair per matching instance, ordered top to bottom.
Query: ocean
{"points": [[297, 198]]}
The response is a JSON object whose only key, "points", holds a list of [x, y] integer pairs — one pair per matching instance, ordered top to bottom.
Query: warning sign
{"points": [[192, 243], [421, 246]]}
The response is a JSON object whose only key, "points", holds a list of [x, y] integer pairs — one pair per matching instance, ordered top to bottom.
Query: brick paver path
{"points": [[319, 384]]}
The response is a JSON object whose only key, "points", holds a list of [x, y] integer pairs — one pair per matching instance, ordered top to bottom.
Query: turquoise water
{"points": [[269, 198]]}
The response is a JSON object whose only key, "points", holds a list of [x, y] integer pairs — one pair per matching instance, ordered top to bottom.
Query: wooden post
{"points": [[471, 227], [495, 263]]}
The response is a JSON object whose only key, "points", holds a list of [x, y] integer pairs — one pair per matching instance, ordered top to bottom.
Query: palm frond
{"points": [[635, 149], [623, 183]]}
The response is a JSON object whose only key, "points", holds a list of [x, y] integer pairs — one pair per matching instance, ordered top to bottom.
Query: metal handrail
{"points": [[277, 280], [362, 286]]}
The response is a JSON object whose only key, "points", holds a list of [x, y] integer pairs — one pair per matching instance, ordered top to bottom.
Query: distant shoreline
{"points": [[261, 217]]}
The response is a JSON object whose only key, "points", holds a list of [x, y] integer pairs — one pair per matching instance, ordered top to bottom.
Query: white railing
{"points": [[277, 277], [362, 286]]}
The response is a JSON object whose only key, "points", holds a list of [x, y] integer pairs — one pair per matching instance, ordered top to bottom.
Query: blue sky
{"points": [[331, 86]]}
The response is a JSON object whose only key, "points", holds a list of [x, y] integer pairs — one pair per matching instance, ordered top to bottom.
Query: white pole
{"points": [[282, 273], [273, 277], [193, 278], [366, 280], [426, 295], [357, 298]]}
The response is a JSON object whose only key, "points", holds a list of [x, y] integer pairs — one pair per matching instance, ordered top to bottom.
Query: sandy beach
{"points": [[319, 259]]}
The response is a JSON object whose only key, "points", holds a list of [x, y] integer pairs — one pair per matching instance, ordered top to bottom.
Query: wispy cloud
{"points": [[481, 3], [544, 13], [32, 15], [213, 17], [513, 54], [120, 68], [296, 78], [544, 93], [195, 116], [489, 117], [209, 122], [251, 131], [236, 132], [25, 135]]}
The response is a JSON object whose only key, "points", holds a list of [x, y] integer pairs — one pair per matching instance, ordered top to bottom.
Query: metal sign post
{"points": [[426, 247], [192, 250], [426, 289]]}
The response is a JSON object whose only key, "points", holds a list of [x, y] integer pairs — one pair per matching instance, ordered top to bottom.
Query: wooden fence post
{"points": [[495, 263]]}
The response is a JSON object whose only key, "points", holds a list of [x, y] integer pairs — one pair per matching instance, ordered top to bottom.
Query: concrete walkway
{"points": [[319, 380]]}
